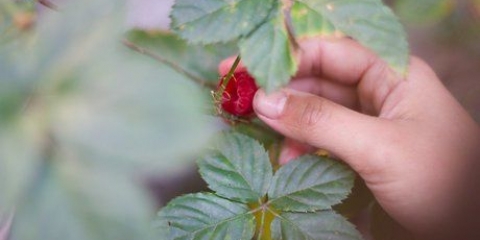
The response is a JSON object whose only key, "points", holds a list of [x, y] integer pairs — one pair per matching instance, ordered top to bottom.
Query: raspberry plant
{"points": [[267, 30], [81, 116], [252, 201], [248, 202]]}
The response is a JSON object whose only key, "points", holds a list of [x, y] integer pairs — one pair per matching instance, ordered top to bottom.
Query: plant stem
{"points": [[48, 4], [171, 64], [231, 72], [217, 95], [262, 225]]}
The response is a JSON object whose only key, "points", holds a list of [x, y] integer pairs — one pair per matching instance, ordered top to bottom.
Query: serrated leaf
{"points": [[210, 21], [307, 22], [371, 23], [267, 53], [199, 60], [263, 134], [239, 168], [310, 183], [68, 201], [204, 216], [313, 226]]}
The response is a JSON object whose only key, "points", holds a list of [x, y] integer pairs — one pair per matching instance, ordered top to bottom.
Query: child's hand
{"points": [[409, 139]]}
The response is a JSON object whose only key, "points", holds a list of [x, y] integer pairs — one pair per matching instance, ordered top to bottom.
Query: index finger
{"points": [[342, 60]]}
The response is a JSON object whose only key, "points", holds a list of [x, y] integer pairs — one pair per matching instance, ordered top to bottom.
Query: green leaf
{"points": [[209, 21], [307, 22], [369, 22], [267, 53], [200, 61], [260, 132], [239, 168], [310, 183], [71, 202], [204, 216], [312, 226]]}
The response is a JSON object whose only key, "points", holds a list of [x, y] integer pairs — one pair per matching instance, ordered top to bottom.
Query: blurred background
{"points": [[71, 92]]}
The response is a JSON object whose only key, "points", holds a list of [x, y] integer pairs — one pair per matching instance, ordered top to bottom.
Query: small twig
{"points": [[48, 4], [171, 64], [232, 71], [218, 94], [262, 223]]}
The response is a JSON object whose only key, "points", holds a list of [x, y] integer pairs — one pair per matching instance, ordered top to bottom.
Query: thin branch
{"points": [[48, 4], [171, 64], [232, 71], [218, 94], [262, 225]]}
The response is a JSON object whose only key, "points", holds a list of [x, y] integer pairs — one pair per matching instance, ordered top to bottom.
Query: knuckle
{"points": [[381, 69], [311, 113], [305, 115], [311, 116]]}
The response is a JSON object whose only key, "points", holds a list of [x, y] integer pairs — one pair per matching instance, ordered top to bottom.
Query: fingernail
{"points": [[270, 106]]}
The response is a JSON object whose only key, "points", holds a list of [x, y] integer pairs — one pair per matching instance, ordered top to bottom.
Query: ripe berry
{"points": [[237, 98]]}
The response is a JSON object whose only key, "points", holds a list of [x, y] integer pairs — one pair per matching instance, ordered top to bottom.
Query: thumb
{"points": [[323, 124]]}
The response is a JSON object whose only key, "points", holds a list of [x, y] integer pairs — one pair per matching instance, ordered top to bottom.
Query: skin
{"points": [[414, 145]]}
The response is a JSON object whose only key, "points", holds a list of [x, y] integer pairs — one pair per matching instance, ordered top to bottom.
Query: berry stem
{"points": [[231, 72], [217, 95]]}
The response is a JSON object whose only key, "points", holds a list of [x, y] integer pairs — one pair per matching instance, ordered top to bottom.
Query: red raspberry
{"points": [[237, 99]]}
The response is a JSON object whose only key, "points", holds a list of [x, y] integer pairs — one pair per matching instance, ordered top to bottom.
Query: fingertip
{"points": [[224, 66], [271, 105], [291, 150], [286, 155]]}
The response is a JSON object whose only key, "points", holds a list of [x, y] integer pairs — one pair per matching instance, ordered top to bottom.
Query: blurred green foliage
{"points": [[425, 11], [450, 22], [201, 61], [80, 116]]}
